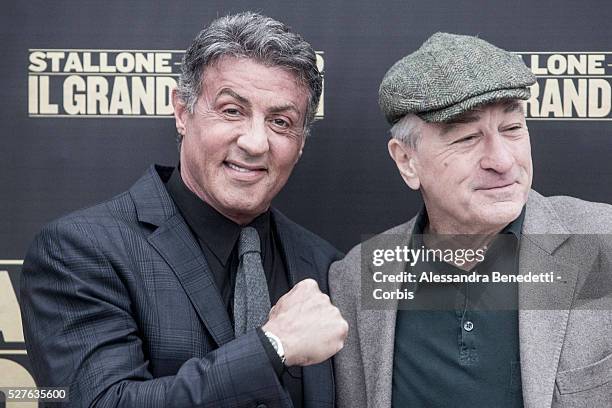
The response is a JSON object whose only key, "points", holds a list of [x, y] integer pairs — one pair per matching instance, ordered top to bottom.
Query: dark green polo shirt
{"points": [[466, 353]]}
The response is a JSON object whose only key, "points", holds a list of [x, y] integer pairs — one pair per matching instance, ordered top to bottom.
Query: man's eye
{"points": [[231, 111], [280, 123], [513, 127], [465, 139]]}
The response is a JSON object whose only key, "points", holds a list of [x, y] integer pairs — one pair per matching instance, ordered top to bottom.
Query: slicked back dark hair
{"points": [[250, 35]]}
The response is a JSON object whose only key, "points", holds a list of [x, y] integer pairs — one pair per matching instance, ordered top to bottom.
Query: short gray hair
{"points": [[250, 35], [408, 130]]}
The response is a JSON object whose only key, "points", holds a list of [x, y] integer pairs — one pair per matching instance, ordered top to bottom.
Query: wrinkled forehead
{"points": [[261, 72], [441, 129]]}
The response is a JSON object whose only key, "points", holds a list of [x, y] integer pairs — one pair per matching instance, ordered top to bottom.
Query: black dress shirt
{"points": [[218, 239], [465, 351]]}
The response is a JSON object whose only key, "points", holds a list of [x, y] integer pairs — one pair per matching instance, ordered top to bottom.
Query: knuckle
{"points": [[306, 283], [311, 283], [336, 312]]}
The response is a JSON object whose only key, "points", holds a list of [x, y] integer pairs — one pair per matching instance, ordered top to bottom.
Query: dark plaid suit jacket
{"points": [[118, 304]]}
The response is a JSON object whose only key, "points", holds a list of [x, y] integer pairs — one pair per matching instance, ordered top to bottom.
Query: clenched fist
{"points": [[310, 328]]}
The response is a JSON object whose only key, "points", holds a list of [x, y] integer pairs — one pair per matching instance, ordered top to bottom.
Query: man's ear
{"points": [[180, 112], [405, 160]]}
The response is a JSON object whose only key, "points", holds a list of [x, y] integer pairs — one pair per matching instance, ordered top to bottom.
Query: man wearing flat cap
{"points": [[460, 138]]}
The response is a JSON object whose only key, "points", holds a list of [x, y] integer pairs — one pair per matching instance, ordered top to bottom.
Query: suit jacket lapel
{"points": [[176, 244], [297, 257], [543, 308], [376, 329], [317, 380]]}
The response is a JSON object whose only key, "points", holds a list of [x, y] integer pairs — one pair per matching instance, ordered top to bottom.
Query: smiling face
{"points": [[244, 137], [474, 173]]}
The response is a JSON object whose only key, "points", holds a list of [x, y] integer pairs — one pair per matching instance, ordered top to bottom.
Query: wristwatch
{"points": [[278, 346]]}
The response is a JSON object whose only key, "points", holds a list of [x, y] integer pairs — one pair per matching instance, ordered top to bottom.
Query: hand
{"points": [[310, 328]]}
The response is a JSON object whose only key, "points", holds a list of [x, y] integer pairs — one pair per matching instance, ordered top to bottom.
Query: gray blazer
{"points": [[566, 353]]}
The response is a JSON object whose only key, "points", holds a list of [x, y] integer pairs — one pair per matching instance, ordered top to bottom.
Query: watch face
{"points": [[274, 344]]}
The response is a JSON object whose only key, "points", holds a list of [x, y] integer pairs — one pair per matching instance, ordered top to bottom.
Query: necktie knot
{"points": [[248, 241]]}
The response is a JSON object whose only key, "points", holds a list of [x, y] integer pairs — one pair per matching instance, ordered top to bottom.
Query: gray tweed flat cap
{"points": [[449, 75]]}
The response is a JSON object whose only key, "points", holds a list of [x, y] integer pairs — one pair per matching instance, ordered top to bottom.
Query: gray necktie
{"points": [[251, 297]]}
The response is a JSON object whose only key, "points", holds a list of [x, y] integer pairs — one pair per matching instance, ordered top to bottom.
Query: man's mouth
{"points": [[245, 168], [496, 186]]}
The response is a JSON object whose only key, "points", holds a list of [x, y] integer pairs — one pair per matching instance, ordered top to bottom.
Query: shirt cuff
{"points": [[273, 356]]}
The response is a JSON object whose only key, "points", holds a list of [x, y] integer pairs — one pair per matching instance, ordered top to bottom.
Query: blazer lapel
{"points": [[176, 244], [178, 247], [297, 257], [543, 308], [376, 329], [317, 380]]}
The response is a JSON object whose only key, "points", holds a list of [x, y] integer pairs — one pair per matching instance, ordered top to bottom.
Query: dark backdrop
{"points": [[345, 185]]}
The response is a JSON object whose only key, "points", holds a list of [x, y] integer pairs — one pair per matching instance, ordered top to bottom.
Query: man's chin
{"points": [[244, 209], [501, 212]]}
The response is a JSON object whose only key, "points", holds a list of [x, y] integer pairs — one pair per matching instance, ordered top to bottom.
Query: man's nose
{"points": [[254, 139], [497, 154]]}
